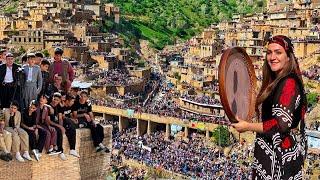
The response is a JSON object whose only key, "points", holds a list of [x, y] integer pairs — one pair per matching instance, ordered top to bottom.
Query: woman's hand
{"points": [[241, 126]]}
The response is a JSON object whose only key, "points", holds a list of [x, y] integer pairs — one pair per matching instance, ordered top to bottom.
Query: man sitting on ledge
{"points": [[82, 111], [5, 140]]}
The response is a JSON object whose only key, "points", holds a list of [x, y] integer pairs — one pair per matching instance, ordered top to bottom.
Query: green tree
{"points": [[21, 50], [45, 52], [141, 63], [177, 76], [312, 99], [221, 136]]}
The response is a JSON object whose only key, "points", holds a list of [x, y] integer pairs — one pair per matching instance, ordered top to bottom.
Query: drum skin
{"points": [[237, 84]]}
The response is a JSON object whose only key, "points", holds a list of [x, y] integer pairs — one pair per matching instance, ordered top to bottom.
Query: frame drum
{"points": [[237, 84]]}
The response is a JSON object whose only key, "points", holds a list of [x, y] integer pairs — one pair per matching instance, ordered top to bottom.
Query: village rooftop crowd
{"points": [[39, 107]]}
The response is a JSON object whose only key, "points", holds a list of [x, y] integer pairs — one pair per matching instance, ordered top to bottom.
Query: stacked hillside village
{"points": [[177, 92]]}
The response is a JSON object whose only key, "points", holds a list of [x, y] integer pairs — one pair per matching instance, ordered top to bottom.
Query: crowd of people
{"points": [[313, 73], [114, 77], [213, 87], [127, 96], [202, 99], [164, 103], [162, 106], [39, 107], [315, 125], [193, 159], [312, 163]]}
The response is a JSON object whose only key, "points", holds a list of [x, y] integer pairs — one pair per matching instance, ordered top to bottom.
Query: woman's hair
{"points": [[270, 79]]}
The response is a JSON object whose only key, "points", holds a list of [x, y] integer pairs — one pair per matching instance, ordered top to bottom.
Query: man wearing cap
{"points": [[61, 67], [8, 79], [33, 80]]}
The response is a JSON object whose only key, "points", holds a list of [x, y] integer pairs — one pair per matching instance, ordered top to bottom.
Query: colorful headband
{"points": [[283, 41]]}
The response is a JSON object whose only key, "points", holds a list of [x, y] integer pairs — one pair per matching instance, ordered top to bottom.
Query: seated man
{"points": [[83, 112], [65, 118], [43, 121], [54, 122], [37, 134], [20, 138], [5, 140]]}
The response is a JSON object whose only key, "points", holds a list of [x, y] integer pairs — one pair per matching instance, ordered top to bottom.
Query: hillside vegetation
{"points": [[164, 22]]}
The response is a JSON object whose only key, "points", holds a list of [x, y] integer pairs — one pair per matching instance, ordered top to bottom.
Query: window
{"points": [[255, 34]]}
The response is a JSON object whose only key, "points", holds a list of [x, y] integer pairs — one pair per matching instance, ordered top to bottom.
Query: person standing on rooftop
{"points": [[61, 67], [33, 80]]}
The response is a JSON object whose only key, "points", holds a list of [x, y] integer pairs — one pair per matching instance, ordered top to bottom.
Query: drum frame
{"points": [[222, 86]]}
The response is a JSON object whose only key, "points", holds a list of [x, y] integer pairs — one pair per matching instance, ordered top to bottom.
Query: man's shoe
{"points": [[98, 149], [106, 150], [53, 152], [74, 153], [36, 155], [9, 156], [27, 156], [4, 157], [62, 157], [19, 158]]}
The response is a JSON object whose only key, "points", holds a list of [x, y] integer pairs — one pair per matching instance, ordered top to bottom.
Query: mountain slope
{"points": [[164, 22]]}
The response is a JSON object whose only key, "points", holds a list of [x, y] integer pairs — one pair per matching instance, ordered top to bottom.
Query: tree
{"points": [[21, 50], [45, 53], [141, 63], [177, 76], [312, 99], [220, 136]]}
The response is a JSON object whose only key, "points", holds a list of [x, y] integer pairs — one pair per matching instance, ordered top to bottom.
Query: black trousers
{"points": [[6, 95], [70, 127], [97, 133], [59, 138], [33, 142]]}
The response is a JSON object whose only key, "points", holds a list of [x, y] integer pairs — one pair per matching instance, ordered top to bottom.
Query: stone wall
{"points": [[90, 165]]}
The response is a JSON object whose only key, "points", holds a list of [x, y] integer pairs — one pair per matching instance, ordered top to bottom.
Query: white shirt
{"points": [[29, 74], [8, 78]]}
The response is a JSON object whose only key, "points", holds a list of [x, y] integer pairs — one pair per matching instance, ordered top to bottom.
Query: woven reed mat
{"points": [[90, 165]]}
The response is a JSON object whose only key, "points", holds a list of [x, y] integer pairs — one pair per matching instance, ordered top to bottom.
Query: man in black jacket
{"points": [[8, 82]]}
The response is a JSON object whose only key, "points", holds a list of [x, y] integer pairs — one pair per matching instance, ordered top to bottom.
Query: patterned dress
{"points": [[281, 149]]}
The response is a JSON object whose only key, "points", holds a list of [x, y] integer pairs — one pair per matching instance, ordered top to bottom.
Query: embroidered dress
{"points": [[281, 149]]}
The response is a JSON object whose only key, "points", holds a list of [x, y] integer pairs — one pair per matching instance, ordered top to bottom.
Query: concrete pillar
{"points": [[104, 116], [120, 123], [123, 123], [138, 127], [142, 127], [149, 127], [168, 130], [186, 132], [207, 134]]}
